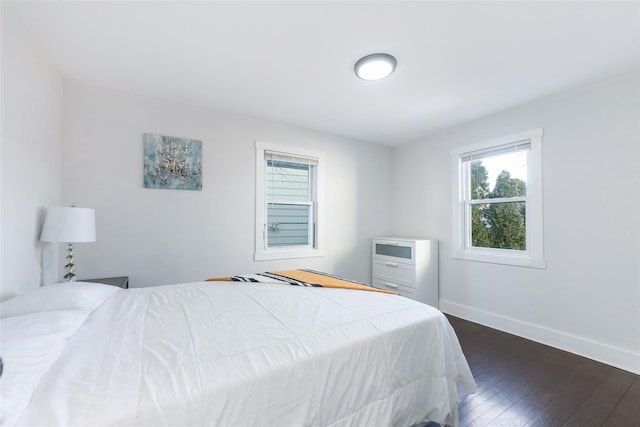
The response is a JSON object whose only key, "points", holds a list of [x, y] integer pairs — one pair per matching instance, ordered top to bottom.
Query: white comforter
{"points": [[246, 354]]}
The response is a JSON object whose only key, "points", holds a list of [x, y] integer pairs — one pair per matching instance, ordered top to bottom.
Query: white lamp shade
{"points": [[69, 224]]}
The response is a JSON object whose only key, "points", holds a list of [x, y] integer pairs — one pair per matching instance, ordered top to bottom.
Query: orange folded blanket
{"points": [[302, 278]]}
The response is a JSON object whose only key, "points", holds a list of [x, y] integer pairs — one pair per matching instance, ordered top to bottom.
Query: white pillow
{"points": [[84, 296], [29, 346]]}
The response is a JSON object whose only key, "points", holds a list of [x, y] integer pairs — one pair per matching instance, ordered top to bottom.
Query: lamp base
{"points": [[70, 266]]}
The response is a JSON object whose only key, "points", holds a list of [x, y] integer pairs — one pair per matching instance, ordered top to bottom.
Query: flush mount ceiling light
{"points": [[375, 66]]}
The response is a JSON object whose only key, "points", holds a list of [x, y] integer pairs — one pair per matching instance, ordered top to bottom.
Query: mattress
{"points": [[228, 354]]}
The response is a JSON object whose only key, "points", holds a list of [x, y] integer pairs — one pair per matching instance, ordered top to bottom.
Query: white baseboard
{"points": [[614, 356]]}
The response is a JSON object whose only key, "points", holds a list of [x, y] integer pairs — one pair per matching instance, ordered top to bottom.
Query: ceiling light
{"points": [[375, 66]]}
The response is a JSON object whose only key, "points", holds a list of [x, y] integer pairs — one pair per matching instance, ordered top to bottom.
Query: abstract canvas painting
{"points": [[172, 163]]}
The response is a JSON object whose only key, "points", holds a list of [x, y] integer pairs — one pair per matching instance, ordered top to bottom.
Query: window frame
{"points": [[264, 253], [533, 256]]}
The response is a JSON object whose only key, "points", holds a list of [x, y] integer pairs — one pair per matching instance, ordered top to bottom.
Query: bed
{"points": [[227, 354]]}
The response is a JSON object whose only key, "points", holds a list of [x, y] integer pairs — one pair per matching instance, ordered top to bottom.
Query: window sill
{"points": [[274, 254], [505, 259]]}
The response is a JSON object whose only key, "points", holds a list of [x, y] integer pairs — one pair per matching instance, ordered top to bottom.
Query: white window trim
{"points": [[263, 253], [533, 256]]}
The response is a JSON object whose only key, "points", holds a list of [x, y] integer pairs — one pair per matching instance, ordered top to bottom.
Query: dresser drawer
{"points": [[394, 250], [394, 270], [389, 285]]}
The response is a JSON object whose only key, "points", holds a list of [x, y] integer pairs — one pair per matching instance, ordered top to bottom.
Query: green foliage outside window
{"points": [[497, 225]]}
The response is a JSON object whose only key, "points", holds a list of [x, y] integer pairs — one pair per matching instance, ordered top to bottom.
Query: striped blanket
{"points": [[300, 278]]}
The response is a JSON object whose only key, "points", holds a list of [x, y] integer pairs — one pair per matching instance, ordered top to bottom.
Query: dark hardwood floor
{"points": [[523, 383]]}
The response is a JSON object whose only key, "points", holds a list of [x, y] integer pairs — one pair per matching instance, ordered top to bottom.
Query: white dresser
{"points": [[407, 266]]}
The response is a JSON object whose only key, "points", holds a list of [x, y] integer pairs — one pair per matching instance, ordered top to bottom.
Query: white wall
{"points": [[30, 176], [167, 236], [587, 300]]}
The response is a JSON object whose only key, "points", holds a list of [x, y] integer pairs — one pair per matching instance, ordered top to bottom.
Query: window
{"points": [[498, 201], [288, 202]]}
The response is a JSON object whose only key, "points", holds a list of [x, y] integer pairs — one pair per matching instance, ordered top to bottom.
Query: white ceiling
{"points": [[293, 61]]}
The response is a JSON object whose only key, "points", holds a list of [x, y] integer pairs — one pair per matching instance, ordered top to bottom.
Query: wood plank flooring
{"points": [[523, 383]]}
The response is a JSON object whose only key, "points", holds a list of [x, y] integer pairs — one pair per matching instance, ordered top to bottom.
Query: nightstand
{"points": [[122, 281]]}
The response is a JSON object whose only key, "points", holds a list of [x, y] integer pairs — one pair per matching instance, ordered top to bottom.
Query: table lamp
{"points": [[71, 225]]}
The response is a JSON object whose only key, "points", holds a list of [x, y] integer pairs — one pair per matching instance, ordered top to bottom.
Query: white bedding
{"points": [[247, 354]]}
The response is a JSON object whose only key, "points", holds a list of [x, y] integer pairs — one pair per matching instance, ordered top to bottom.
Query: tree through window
{"points": [[498, 209], [499, 216]]}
